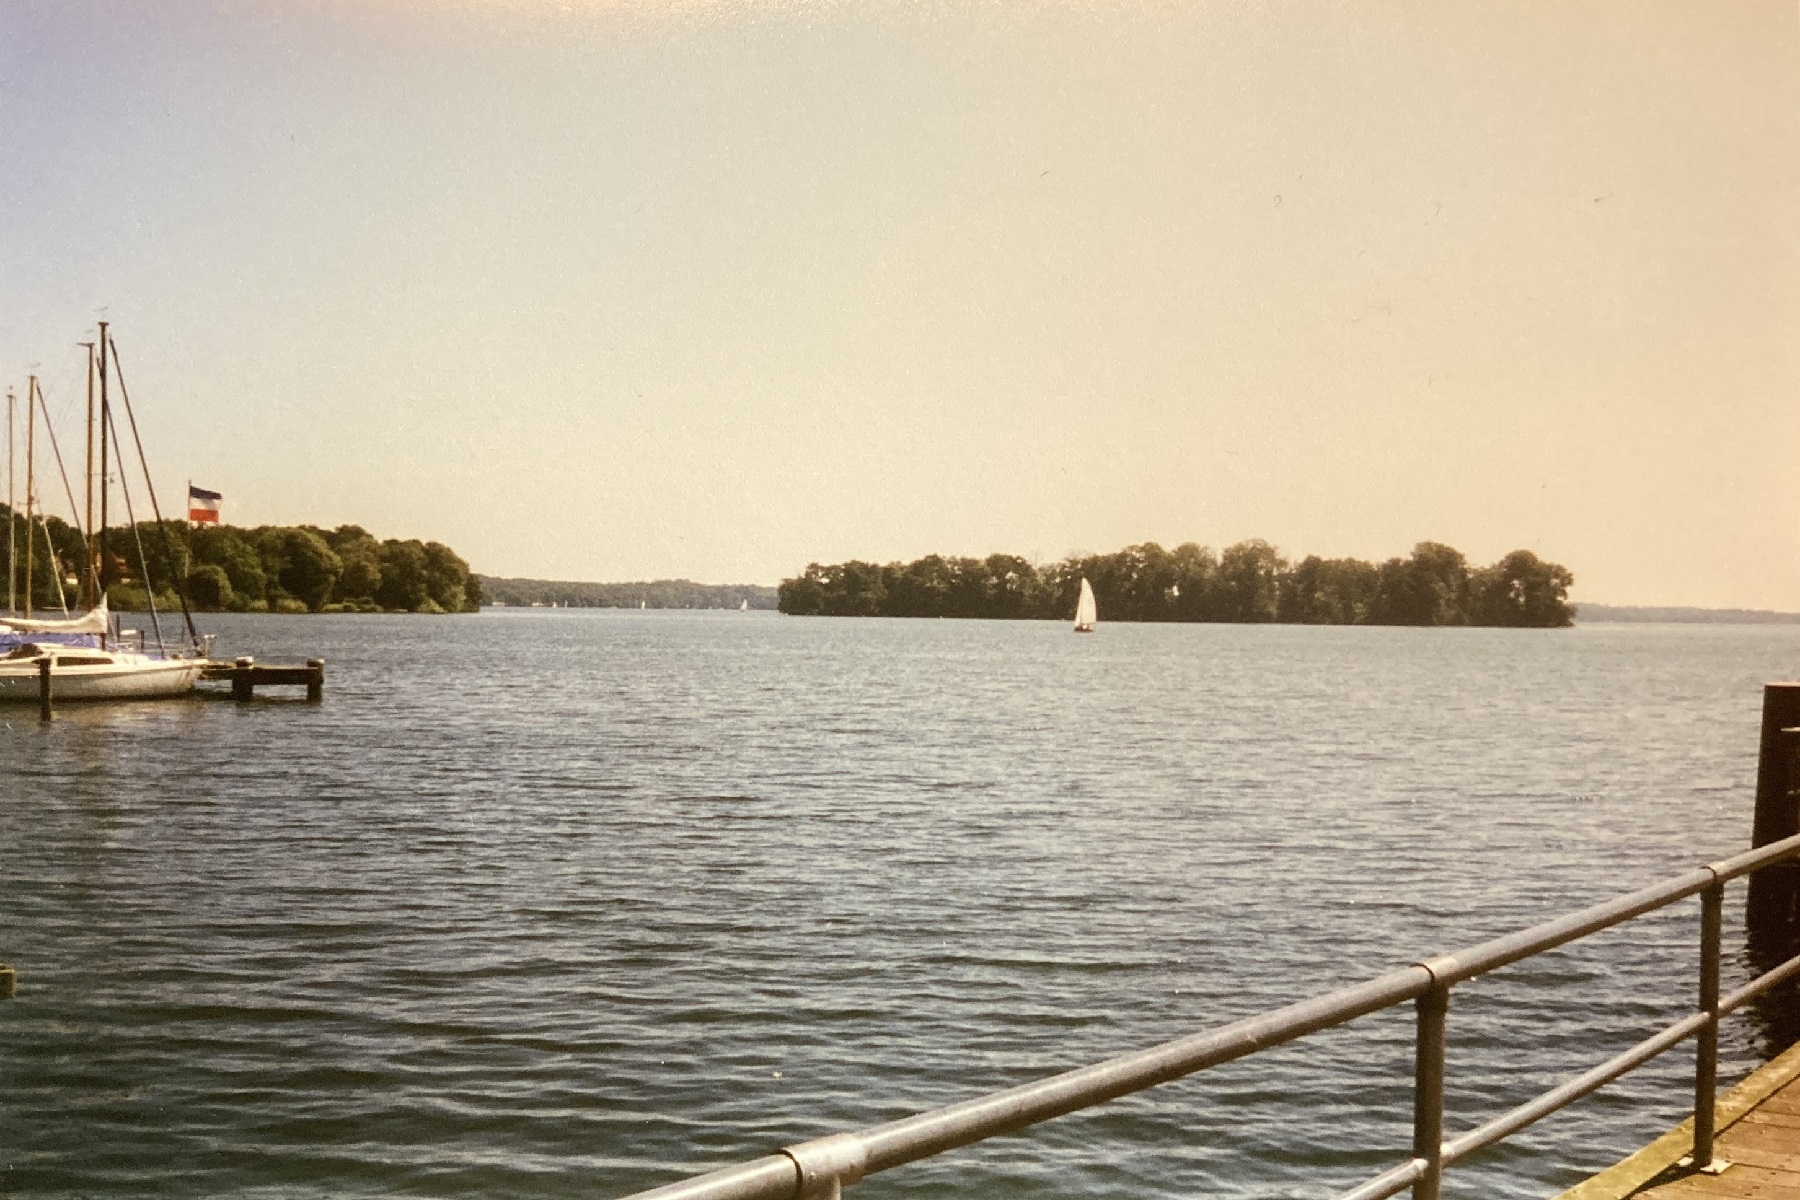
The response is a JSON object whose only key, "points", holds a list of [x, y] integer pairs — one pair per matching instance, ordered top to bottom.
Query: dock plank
{"points": [[1759, 1136]]}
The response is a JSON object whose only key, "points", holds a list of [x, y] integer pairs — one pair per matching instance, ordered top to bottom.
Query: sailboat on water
{"points": [[1086, 613], [88, 657]]}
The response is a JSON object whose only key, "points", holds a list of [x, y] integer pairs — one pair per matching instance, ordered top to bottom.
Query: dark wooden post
{"points": [[241, 674], [315, 679], [44, 688], [1772, 889]]}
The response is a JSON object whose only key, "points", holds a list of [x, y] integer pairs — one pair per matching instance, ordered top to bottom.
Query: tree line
{"points": [[229, 568], [1250, 582], [660, 593]]}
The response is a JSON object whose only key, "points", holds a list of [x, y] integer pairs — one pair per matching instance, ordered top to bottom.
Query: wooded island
{"points": [[229, 568], [1249, 582]]}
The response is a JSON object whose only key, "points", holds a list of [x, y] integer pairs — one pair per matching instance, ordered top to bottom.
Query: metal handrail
{"points": [[821, 1168]]}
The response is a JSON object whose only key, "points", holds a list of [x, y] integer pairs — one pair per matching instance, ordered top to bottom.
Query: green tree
{"points": [[227, 547], [302, 565], [1195, 569], [446, 578], [1249, 582], [403, 584], [1011, 586], [209, 588], [1521, 590], [1329, 591], [803, 596]]}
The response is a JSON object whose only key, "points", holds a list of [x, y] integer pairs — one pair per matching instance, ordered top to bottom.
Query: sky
{"points": [[624, 290]]}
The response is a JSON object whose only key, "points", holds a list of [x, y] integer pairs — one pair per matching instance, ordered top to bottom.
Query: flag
{"points": [[203, 506]]}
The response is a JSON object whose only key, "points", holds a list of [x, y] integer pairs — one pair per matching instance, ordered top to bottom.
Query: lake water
{"points": [[575, 903]]}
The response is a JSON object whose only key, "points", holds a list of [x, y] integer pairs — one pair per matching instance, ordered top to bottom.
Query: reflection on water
{"points": [[543, 904]]}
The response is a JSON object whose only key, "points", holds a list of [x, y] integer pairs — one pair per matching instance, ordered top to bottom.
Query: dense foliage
{"points": [[271, 568], [1248, 582], [662, 593]]}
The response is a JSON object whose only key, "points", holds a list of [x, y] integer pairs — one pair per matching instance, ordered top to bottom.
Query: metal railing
{"points": [[820, 1169]]}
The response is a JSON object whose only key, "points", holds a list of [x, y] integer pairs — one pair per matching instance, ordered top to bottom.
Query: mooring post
{"points": [[242, 672], [315, 679], [44, 688], [1772, 889], [9, 982]]}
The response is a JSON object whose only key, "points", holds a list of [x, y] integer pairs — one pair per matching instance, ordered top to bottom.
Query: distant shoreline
{"points": [[658, 593], [1644, 614]]}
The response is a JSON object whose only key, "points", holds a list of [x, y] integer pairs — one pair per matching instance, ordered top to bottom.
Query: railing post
{"points": [[1706, 1045], [1428, 1089]]}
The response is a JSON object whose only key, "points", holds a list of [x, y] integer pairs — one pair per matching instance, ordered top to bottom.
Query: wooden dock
{"points": [[246, 676], [1759, 1136]]}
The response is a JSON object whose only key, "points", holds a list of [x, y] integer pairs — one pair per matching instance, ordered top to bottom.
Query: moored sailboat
{"points": [[86, 654], [91, 673]]}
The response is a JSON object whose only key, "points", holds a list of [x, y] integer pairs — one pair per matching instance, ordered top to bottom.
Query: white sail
{"points": [[1085, 611], [93, 621]]}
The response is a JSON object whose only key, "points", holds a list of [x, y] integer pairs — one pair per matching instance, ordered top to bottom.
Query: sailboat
{"points": [[743, 606], [1085, 611], [87, 656]]}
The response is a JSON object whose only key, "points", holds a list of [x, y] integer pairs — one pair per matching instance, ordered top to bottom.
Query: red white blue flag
{"points": [[203, 506]]}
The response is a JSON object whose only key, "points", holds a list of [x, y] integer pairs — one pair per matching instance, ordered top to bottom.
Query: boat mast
{"points": [[30, 479], [12, 515], [100, 533], [87, 577]]}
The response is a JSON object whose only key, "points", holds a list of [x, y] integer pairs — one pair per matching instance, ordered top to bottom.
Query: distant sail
{"points": [[1085, 611]]}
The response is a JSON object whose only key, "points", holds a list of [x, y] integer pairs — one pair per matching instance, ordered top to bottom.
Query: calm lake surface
{"points": [[577, 903]]}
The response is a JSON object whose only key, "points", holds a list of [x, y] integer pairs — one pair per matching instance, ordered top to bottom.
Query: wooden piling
{"points": [[243, 675], [315, 682], [44, 688], [1773, 889], [9, 982]]}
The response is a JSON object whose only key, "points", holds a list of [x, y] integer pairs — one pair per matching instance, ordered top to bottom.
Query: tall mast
{"points": [[105, 418], [30, 478], [12, 515], [88, 586]]}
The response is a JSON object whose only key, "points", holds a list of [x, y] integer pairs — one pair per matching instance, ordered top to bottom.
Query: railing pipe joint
{"points": [[828, 1165]]}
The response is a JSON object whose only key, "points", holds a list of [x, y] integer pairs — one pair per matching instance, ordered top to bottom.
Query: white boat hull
{"points": [[153, 679]]}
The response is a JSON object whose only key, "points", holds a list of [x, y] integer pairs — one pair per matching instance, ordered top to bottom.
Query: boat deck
{"points": [[1759, 1136]]}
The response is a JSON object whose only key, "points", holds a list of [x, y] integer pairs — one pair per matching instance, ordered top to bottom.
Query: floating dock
{"points": [[1759, 1137]]}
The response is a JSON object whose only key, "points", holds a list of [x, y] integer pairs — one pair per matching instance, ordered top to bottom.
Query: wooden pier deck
{"points": [[246, 675], [1759, 1135]]}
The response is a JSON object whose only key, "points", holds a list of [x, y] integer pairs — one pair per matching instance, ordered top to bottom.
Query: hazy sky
{"points": [[620, 290]]}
